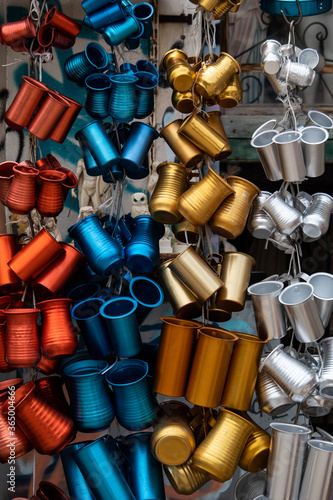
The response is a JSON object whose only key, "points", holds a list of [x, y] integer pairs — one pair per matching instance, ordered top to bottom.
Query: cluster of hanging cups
{"points": [[218, 7], [57, 30], [44, 112]]}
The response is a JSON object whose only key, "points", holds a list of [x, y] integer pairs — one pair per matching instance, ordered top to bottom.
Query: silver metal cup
{"points": [[270, 57], [310, 57], [300, 74], [279, 86], [319, 119], [269, 125], [313, 144], [268, 154], [291, 155], [303, 200], [285, 217], [316, 219], [260, 225], [323, 294], [299, 303], [268, 312], [326, 372], [296, 379], [271, 398], [316, 405], [285, 461], [317, 480], [249, 486]]}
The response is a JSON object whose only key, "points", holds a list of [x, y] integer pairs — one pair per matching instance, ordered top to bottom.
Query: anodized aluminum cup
{"points": [[270, 57], [310, 57], [300, 74], [48, 115], [319, 119], [313, 144], [188, 154], [268, 154], [291, 155], [317, 216], [286, 218], [260, 225], [323, 294], [268, 312], [326, 372], [271, 398], [318, 473], [249, 486]]}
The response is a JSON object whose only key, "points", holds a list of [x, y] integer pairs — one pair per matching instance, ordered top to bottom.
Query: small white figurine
{"points": [[90, 189], [139, 205]]}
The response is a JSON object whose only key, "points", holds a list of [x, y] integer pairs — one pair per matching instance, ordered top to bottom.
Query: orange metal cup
{"points": [[62, 22], [11, 32], [45, 36], [62, 41], [48, 115], [60, 131], [43, 164], [6, 177], [70, 182], [21, 195], [50, 201], [8, 248], [36, 256], [22, 342], [174, 356], [4, 366], [48, 366], [210, 366], [51, 389]]}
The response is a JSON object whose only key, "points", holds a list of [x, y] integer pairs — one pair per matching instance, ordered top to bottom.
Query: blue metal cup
{"points": [[90, 6], [127, 6], [289, 7], [144, 13], [109, 14], [86, 22], [116, 33], [133, 42], [91, 60], [144, 65], [127, 68], [111, 71], [144, 89], [98, 95], [123, 103], [94, 137], [136, 148], [89, 162], [142, 251], [103, 253], [83, 292], [147, 293], [120, 317], [93, 327], [78, 356], [90, 399], [135, 405], [101, 472], [145, 475], [77, 486]]}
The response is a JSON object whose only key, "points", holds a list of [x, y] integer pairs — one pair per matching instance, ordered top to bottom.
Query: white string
{"points": [[209, 30], [186, 238]]}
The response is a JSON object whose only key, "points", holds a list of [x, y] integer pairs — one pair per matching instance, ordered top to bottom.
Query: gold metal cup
{"points": [[208, 4], [236, 7], [222, 8], [209, 58], [195, 62], [180, 73], [215, 77], [232, 94], [185, 102], [214, 120], [200, 133], [187, 153], [172, 182], [198, 203], [230, 218], [185, 232], [236, 273], [196, 274], [183, 302], [214, 313], [174, 356], [210, 366], [243, 372], [219, 453], [255, 455], [185, 479]]}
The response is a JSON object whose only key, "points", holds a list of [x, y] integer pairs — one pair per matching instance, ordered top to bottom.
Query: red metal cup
{"points": [[62, 22], [10, 32], [45, 36], [63, 41], [19, 45], [21, 110], [49, 113], [60, 131], [53, 162], [43, 164], [6, 177], [69, 183], [21, 195], [50, 201], [8, 248], [36, 256], [5, 303], [22, 341], [4, 366], [48, 366], [13, 382], [51, 389], [49, 491]]}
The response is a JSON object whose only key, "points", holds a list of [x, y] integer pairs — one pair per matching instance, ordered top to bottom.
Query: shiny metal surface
{"points": [[269, 315], [318, 474]]}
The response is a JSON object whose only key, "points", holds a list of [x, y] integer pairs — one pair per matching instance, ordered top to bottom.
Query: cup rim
{"points": [[151, 9], [275, 133], [326, 135], [297, 137], [261, 283], [300, 284], [159, 288], [117, 299], [181, 322], [227, 336], [127, 362], [94, 370], [284, 426], [315, 443]]}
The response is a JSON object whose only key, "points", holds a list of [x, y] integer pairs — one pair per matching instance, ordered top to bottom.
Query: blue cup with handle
{"points": [[90, 6], [144, 12], [116, 33], [133, 42], [93, 59], [147, 66], [127, 68], [144, 89], [98, 95], [123, 103], [137, 145], [89, 161], [83, 292], [148, 295], [76, 484]]}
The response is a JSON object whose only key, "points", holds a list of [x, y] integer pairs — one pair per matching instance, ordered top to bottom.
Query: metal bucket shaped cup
{"points": [[112, 13], [11, 33], [116, 33], [270, 57], [79, 66], [180, 73], [297, 73], [216, 76], [144, 90], [232, 94], [98, 95], [185, 102], [123, 103], [48, 115], [319, 119], [214, 120], [63, 126], [204, 136], [313, 144], [136, 147], [188, 154], [268, 154], [291, 155], [6, 177], [170, 186], [21, 195], [50, 200], [200, 202], [317, 216], [285, 217], [230, 218], [260, 225], [185, 232], [8, 248], [35, 256], [196, 274], [235, 274], [147, 293], [323, 294], [182, 301], [301, 308], [119, 315], [270, 319], [22, 342], [174, 356], [210, 366], [242, 372], [326, 372], [296, 379], [51, 389], [271, 398], [90, 399], [135, 404], [219, 453], [255, 455], [285, 461], [319, 465], [100, 469], [185, 479], [76, 484], [249, 486]]}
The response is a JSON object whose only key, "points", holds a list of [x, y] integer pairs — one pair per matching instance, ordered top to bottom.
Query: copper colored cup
{"points": [[62, 22], [10, 32], [45, 36], [63, 41], [214, 78], [232, 94], [28, 97], [48, 115], [215, 121], [61, 129], [187, 153], [43, 164], [6, 177], [69, 183], [21, 195], [50, 200], [8, 248], [36, 256], [22, 342], [174, 356], [4, 366], [48, 366], [210, 366], [51, 389], [49, 491]]}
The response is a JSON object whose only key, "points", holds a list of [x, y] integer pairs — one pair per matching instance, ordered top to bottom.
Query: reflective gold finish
{"points": [[208, 4], [223, 7], [236, 8], [210, 58], [195, 62], [180, 73], [215, 77], [232, 94], [185, 102], [214, 120], [198, 131], [187, 153], [172, 180], [199, 202], [230, 218], [185, 232], [236, 273], [196, 274], [182, 301], [214, 313], [174, 356], [210, 366], [242, 372], [173, 441], [219, 453], [255, 455], [185, 479]]}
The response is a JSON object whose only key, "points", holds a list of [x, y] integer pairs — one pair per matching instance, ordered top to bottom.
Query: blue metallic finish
{"points": [[90, 6], [289, 7], [144, 12], [107, 15], [116, 33], [133, 42], [144, 65], [79, 66], [127, 68], [111, 71], [144, 89], [98, 95], [123, 103], [136, 148], [89, 162], [103, 253], [83, 292], [148, 295], [120, 317], [93, 327], [90, 399], [135, 404], [77, 486]]}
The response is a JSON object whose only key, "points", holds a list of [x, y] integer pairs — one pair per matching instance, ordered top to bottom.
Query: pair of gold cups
{"points": [[181, 74], [215, 77], [186, 102]]}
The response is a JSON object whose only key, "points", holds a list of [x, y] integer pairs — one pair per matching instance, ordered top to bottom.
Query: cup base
{"points": [[164, 217], [140, 264]]}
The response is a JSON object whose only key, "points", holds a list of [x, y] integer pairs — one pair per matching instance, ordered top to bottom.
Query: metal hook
{"points": [[300, 15]]}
